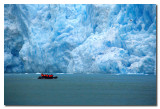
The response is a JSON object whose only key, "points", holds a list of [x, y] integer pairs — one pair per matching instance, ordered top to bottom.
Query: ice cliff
{"points": [[80, 38]]}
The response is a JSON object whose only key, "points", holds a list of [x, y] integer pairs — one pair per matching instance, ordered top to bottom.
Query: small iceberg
{"points": [[60, 73], [146, 74]]}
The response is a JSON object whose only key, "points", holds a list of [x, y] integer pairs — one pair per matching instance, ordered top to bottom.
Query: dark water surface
{"points": [[80, 89]]}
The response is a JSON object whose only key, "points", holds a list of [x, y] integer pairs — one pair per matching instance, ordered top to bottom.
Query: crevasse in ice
{"points": [[80, 38]]}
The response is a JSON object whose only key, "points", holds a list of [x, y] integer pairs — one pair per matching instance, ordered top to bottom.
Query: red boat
{"points": [[46, 76]]}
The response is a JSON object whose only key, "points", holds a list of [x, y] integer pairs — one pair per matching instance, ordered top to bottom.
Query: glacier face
{"points": [[80, 38]]}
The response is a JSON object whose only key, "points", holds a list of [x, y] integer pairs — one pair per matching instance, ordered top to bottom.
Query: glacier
{"points": [[80, 38]]}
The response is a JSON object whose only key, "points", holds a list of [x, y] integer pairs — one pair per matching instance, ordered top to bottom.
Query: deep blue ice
{"points": [[80, 38]]}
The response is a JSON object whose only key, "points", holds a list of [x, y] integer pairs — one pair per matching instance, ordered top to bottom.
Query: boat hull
{"points": [[40, 77]]}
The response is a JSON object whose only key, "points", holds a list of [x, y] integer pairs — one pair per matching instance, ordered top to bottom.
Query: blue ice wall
{"points": [[80, 38]]}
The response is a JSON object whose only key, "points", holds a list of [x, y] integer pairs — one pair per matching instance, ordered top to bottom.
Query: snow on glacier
{"points": [[77, 38]]}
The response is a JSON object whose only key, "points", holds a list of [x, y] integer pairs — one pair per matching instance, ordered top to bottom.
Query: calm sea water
{"points": [[80, 89]]}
